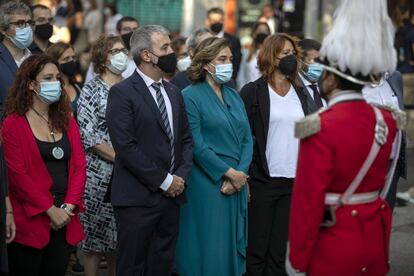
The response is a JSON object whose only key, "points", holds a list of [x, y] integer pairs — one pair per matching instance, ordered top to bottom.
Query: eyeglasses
{"points": [[44, 20], [23, 23], [117, 51]]}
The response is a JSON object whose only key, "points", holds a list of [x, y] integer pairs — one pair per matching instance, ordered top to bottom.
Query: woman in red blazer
{"points": [[46, 170]]}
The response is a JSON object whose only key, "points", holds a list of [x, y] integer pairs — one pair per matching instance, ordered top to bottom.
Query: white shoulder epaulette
{"points": [[399, 116], [309, 125]]}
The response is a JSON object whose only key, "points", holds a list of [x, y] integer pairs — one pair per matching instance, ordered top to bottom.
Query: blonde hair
{"points": [[204, 53]]}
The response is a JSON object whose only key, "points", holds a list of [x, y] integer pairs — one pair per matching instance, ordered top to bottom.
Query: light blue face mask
{"points": [[23, 37], [118, 63], [223, 72], [314, 72], [50, 91]]}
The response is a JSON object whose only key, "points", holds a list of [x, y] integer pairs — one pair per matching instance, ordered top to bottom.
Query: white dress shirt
{"points": [[26, 54], [148, 81], [382, 94]]}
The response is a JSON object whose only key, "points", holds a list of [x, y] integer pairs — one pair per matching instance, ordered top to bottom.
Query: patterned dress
{"points": [[98, 220]]}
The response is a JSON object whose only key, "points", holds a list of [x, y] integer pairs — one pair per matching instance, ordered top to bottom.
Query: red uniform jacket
{"points": [[328, 162], [30, 183]]}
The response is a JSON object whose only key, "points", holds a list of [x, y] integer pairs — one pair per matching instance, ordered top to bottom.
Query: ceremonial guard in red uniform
{"points": [[339, 222]]}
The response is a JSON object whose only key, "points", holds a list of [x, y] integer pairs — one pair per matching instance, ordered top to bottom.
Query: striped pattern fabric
{"points": [[164, 116]]}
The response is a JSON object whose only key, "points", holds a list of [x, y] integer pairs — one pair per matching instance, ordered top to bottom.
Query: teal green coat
{"points": [[213, 227]]}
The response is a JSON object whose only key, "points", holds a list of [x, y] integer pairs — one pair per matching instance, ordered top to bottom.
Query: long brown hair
{"points": [[269, 52], [20, 97]]}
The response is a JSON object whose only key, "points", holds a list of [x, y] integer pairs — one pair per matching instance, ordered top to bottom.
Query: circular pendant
{"points": [[58, 153]]}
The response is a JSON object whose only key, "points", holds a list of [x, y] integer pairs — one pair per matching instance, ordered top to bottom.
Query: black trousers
{"points": [[392, 192], [269, 210], [146, 239], [49, 261]]}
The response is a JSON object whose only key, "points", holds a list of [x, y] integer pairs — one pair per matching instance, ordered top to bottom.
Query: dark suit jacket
{"points": [[236, 51], [8, 72], [181, 80], [396, 83], [311, 101], [257, 103], [141, 143]]}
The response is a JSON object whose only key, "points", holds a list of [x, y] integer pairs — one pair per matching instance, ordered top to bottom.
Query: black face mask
{"points": [[216, 27], [44, 31], [260, 37], [126, 38], [167, 63], [288, 65], [69, 68]]}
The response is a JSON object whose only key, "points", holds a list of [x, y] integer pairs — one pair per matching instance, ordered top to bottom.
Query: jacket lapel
{"points": [[141, 87], [305, 99], [264, 104]]}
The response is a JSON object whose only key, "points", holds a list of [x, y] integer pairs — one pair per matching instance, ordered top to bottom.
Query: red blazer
{"points": [[328, 161], [30, 183]]}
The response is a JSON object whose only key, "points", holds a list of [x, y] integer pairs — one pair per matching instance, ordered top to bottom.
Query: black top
{"points": [[74, 103], [58, 168]]}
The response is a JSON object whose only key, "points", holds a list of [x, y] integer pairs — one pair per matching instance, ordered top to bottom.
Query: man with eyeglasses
{"points": [[43, 29], [16, 36]]}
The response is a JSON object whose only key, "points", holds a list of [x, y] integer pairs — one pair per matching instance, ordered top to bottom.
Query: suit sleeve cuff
{"points": [[167, 182]]}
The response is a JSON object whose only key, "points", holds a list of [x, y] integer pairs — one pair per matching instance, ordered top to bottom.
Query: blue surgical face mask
{"points": [[23, 37], [118, 63], [223, 72], [314, 72], [50, 91]]}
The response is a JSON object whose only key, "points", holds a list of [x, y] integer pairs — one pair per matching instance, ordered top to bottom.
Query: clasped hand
{"points": [[234, 181]]}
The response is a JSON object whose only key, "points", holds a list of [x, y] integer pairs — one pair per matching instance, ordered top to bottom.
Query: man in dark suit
{"points": [[42, 16], [215, 22], [16, 35], [311, 71], [181, 80], [149, 131]]}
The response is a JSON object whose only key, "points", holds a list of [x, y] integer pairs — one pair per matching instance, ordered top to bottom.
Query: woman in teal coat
{"points": [[213, 224]]}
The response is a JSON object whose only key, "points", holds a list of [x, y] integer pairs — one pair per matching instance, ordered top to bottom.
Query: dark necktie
{"points": [[316, 97], [164, 116]]}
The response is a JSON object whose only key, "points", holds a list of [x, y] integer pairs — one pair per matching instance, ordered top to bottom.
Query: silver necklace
{"points": [[57, 151]]}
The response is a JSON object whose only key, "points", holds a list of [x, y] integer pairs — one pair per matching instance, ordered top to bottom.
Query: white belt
{"points": [[361, 198]]}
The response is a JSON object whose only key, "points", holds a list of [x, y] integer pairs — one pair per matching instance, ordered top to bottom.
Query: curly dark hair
{"points": [[100, 52], [20, 98]]}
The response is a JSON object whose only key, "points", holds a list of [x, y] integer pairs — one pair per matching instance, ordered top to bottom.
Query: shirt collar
{"points": [[220, 34], [148, 81], [305, 81], [344, 96]]}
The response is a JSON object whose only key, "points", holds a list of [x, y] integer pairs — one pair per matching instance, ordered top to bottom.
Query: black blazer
{"points": [[236, 51], [8, 72], [257, 103], [142, 145]]}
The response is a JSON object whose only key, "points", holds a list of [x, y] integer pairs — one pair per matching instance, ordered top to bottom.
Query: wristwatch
{"points": [[66, 207]]}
